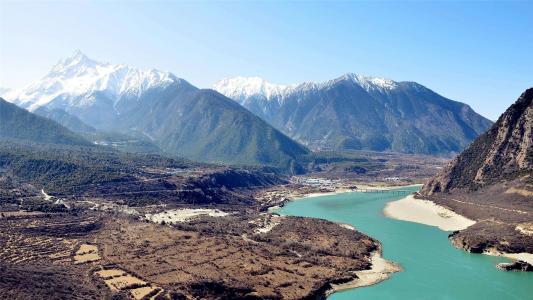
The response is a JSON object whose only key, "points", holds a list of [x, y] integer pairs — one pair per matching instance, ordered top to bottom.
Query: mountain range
{"points": [[355, 112], [179, 118], [267, 124]]}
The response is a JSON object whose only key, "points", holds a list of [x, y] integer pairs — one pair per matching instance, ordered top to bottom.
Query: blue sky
{"points": [[480, 53]]}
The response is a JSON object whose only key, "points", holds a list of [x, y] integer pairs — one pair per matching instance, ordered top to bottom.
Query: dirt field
{"points": [[94, 255], [295, 259]]}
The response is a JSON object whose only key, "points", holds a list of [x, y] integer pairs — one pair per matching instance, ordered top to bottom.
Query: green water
{"points": [[433, 268]]}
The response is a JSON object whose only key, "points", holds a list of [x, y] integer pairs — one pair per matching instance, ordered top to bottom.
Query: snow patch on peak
{"points": [[78, 59], [79, 75], [371, 83], [240, 88]]}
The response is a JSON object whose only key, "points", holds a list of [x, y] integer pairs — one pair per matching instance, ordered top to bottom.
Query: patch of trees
{"points": [[73, 169], [37, 204]]}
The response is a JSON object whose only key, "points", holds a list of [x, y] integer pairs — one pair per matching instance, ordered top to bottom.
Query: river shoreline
{"points": [[359, 189], [296, 195], [429, 213], [416, 247], [527, 257], [381, 270]]}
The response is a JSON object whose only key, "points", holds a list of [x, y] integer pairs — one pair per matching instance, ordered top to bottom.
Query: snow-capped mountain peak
{"points": [[75, 62], [78, 75], [369, 82], [242, 88]]}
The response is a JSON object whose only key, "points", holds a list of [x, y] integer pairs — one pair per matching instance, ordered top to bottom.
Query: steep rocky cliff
{"points": [[503, 153], [492, 182]]}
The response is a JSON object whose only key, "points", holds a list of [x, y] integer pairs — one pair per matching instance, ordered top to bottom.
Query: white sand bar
{"points": [[426, 212], [182, 215], [527, 257], [381, 270]]}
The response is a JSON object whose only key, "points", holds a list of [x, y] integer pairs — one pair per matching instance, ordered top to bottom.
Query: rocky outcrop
{"points": [[486, 236], [516, 266]]}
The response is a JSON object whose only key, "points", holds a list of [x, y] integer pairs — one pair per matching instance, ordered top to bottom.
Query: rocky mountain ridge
{"points": [[355, 112], [504, 152], [491, 182]]}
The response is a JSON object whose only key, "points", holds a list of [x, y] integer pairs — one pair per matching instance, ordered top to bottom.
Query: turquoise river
{"points": [[432, 267]]}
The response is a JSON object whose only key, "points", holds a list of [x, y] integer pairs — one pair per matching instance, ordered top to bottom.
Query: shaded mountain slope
{"points": [[62, 117], [18, 123], [213, 127]]}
